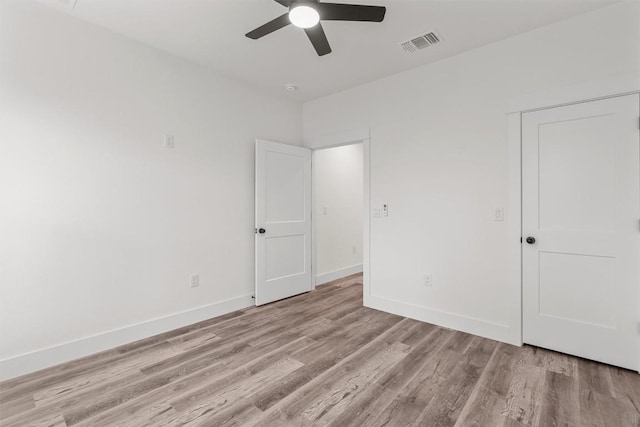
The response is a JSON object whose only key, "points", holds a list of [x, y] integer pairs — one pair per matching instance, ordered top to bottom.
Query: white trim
{"points": [[622, 84], [352, 136], [366, 223], [514, 227], [314, 240], [338, 274], [471, 325], [51, 356]]}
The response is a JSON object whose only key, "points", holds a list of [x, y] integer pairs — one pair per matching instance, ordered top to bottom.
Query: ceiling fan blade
{"points": [[285, 3], [350, 12], [271, 26], [318, 39]]}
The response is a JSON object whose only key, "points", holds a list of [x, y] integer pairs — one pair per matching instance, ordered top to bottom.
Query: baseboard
{"points": [[338, 274], [471, 325], [34, 361]]}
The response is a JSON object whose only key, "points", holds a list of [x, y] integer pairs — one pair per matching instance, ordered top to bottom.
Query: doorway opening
{"points": [[338, 212]]}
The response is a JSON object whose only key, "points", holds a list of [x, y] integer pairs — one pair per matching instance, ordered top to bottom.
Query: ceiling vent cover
{"points": [[421, 41]]}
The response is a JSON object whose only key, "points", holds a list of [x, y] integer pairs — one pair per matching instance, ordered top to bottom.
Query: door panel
{"points": [[591, 160], [285, 187], [581, 202], [283, 211], [284, 256], [571, 287]]}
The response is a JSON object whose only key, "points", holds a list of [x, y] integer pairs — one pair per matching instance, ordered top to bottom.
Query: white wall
{"points": [[439, 159], [337, 191], [100, 226]]}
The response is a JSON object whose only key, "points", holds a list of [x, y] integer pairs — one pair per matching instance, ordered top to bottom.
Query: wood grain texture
{"points": [[321, 359]]}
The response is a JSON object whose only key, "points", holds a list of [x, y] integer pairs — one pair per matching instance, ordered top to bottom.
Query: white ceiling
{"points": [[211, 33]]}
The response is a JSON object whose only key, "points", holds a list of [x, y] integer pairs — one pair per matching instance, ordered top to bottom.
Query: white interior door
{"points": [[581, 204], [283, 221]]}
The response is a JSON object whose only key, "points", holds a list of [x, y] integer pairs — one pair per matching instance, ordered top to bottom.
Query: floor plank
{"points": [[322, 359]]}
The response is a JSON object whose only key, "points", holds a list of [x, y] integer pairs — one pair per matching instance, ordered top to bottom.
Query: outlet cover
{"points": [[428, 280]]}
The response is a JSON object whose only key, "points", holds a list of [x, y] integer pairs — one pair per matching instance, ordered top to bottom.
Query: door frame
{"points": [[610, 87], [354, 136]]}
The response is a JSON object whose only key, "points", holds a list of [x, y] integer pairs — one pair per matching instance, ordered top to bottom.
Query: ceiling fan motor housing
{"points": [[296, 3], [308, 18]]}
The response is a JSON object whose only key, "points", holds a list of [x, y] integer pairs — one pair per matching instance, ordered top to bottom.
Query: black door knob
{"points": [[262, 230], [531, 240]]}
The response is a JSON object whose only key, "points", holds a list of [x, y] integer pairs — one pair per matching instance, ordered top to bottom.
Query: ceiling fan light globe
{"points": [[304, 16]]}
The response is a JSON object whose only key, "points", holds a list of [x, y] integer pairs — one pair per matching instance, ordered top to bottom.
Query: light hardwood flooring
{"points": [[322, 359]]}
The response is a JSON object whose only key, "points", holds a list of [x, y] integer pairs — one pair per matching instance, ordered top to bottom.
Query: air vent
{"points": [[421, 41]]}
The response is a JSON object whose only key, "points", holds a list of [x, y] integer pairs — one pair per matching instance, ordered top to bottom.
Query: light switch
{"points": [[169, 141], [498, 214], [195, 280]]}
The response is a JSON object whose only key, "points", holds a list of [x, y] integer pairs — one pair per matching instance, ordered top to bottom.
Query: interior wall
{"points": [[439, 160], [338, 192], [101, 226]]}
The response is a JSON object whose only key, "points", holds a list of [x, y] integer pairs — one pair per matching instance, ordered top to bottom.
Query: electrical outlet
{"points": [[169, 141], [353, 249], [195, 280], [428, 280]]}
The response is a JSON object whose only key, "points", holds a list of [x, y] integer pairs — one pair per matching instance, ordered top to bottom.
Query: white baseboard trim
{"points": [[338, 274], [471, 325], [34, 361]]}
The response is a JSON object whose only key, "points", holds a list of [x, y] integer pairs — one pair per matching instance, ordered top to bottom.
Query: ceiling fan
{"points": [[307, 15]]}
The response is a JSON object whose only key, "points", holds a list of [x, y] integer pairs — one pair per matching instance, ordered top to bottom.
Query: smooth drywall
{"points": [[439, 160], [338, 191], [100, 225]]}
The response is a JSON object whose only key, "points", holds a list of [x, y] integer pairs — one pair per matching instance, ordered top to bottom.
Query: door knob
{"points": [[262, 230], [531, 240]]}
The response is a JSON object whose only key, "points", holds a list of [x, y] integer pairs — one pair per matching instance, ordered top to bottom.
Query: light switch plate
{"points": [[169, 141], [498, 214], [195, 280]]}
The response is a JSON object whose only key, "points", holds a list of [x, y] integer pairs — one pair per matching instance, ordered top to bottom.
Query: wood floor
{"points": [[322, 359]]}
